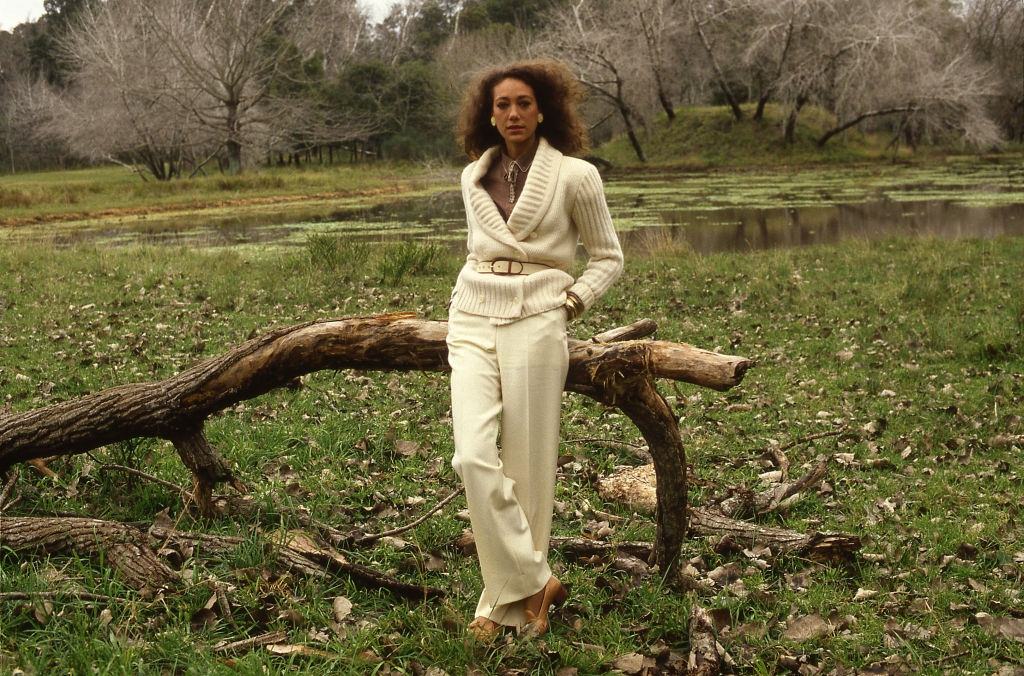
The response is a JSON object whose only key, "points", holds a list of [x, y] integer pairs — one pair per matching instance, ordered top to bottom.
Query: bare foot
{"points": [[536, 607], [484, 629]]}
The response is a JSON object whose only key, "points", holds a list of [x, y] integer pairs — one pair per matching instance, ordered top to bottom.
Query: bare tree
{"points": [[723, 17], [660, 23], [336, 30], [780, 33], [589, 35], [995, 35], [227, 51], [895, 59], [174, 84], [125, 101]]}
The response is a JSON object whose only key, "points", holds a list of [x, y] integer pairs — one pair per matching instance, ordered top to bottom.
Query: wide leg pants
{"points": [[508, 375]]}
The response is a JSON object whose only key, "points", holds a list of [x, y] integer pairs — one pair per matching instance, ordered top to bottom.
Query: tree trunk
{"points": [[719, 75], [761, 103], [666, 104], [627, 118], [790, 132], [232, 144], [120, 545], [822, 547], [127, 549]]}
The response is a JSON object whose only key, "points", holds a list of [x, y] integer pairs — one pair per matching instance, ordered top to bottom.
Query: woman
{"points": [[528, 204]]}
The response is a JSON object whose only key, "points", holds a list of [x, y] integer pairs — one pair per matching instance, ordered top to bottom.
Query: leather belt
{"points": [[507, 266]]}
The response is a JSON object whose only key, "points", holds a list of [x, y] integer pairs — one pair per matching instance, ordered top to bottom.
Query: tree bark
{"points": [[790, 132], [618, 373], [120, 545], [822, 547], [128, 550]]}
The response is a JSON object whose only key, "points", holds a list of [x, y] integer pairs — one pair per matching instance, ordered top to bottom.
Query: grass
{"points": [[709, 136], [116, 193], [926, 335]]}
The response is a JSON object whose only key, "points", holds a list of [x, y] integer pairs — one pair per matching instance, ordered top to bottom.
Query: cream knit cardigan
{"points": [[561, 204]]}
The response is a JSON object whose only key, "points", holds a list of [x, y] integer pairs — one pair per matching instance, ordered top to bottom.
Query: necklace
{"points": [[510, 172]]}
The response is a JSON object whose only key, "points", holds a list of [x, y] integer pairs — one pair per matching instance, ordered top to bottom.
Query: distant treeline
{"points": [[176, 87]]}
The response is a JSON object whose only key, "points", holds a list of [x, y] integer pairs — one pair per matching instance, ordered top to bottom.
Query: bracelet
{"points": [[574, 304]]}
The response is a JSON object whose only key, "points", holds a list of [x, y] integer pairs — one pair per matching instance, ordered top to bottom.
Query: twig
{"points": [[811, 437], [622, 445], [769, 451], [149, 477], [9, 486], [186, 497], [372, 537], [81, 596], [254, 642], [947, 658]]}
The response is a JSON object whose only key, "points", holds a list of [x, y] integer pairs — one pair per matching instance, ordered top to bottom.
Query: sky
{"points": [[14, 12]]}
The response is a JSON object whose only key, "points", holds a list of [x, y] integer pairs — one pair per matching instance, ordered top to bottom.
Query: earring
{"points": [[540, 118], [494, 123]]}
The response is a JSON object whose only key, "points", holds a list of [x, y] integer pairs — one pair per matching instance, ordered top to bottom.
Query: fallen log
{"points": [[617, 373], [116, 543], [821, 547], [129, 551], [299, 553]]}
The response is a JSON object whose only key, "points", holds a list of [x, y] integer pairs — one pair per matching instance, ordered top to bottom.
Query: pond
{"points": [[710, 212]]}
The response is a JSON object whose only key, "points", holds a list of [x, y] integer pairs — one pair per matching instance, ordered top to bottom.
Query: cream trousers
{"points": [[508, 375]]}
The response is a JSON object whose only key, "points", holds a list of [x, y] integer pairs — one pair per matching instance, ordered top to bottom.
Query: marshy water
{"points": [[709, 211]]}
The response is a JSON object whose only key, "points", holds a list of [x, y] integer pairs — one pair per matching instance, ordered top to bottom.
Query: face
{"points": [[515, 111]]}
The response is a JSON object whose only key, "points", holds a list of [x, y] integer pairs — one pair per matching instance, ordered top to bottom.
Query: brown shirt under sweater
{"points": [[497, 187]]}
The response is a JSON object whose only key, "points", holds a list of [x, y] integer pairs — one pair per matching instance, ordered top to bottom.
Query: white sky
{"points": [[14, 12]]}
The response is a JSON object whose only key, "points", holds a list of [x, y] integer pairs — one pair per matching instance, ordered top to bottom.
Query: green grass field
{"points": [[926, 335]]}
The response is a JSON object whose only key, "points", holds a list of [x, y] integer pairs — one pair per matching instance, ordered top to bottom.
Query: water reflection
{"points": [[701, 211], [753, 229]]}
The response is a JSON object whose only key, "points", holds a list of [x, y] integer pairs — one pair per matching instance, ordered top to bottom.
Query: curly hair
{"points": [[557, 92]]}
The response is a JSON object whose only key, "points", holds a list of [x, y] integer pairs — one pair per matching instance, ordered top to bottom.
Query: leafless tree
{"points": [[661, 24], [719, 25], [336, 30], [589, 35], [995, 35], [227, 51], [895, 59], [176, 83], [125, 103]]}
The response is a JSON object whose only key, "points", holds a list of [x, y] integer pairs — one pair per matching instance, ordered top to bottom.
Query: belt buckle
{"points": [[508, 267]]}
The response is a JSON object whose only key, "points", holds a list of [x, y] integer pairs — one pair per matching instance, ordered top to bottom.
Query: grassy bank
{"points": [[705, 137], [113, 193], [927, 336]]}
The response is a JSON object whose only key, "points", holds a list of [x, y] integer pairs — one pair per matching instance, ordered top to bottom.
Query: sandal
{"points": [[553, 594]]}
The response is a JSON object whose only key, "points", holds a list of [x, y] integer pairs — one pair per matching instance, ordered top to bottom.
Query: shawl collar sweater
{"points": [[562, 204]]}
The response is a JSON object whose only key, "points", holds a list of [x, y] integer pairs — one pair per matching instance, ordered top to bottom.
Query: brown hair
{"points": [[557, 92]]}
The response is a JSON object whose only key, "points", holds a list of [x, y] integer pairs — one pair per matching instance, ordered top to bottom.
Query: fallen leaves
{"points": [[864, 594], [342, 608], [807, 628], [1010, 628]]}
